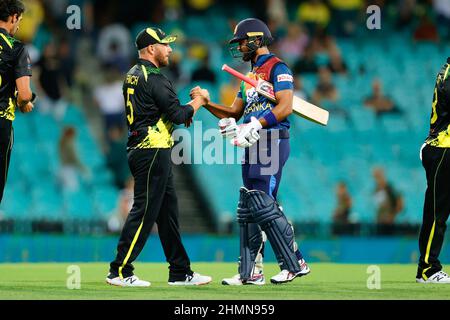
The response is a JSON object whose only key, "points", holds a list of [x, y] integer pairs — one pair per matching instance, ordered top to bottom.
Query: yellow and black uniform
{"points": [[14, 64], [152, 108], [435, 155]]}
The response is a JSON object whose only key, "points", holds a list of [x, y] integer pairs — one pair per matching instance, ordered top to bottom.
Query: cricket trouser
{"points": [[6, 143], [263, 162], [436, 162], [155, 200]]}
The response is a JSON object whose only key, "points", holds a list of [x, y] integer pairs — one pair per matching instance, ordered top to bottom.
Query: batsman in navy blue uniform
{"points": [[265, 136]]}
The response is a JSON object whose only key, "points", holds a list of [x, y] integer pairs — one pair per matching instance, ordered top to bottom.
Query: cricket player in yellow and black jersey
{"points": [[15, 73], [152, 108], [435, 155]]}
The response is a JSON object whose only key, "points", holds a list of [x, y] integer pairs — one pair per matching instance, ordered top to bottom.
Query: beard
{"points": [[248, 56], [163, 60]]}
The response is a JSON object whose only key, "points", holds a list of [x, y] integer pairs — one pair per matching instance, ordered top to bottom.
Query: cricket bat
{"points": [[301, 107]]}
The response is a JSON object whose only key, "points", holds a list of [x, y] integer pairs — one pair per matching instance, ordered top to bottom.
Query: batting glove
{"points": [[228, 128], [248, 134]]}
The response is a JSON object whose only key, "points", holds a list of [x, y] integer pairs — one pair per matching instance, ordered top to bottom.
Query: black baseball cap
{"points": [[152, 35]]}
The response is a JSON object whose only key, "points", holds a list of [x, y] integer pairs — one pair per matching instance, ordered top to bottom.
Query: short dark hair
{"points": [[9, 8]]}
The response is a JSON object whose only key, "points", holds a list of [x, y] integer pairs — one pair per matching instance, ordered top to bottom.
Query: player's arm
{"points": [[22, 73], [283, 86], [24, 93], [169, 104], [283, 109], [234, 111]]}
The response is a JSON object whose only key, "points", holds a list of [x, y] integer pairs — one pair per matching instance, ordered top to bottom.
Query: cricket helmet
{"points": [[251, 29]]}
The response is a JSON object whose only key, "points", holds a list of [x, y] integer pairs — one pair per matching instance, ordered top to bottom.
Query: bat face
{"points": [[300, 107], [309, 111]]}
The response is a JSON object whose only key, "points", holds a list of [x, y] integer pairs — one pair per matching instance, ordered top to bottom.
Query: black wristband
{"points": [[33, 97]]}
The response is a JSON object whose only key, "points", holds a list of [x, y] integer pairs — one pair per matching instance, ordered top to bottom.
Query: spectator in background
{"points": [[197, 7], [405, 9], [442, 9], [313, 14], [277, 15], [345, 16], [32, 18], [426, 30], [294, 44], [323, 45], [114, 46], [67, 61], [307, 63], [336, 64], [204, 72], [51, 82], [298, 88], [325, 91], [109, 98], [379, 102], [116, 159], [71, 169], [389, 203], [344, 204], [124, 205], [341, 215]]}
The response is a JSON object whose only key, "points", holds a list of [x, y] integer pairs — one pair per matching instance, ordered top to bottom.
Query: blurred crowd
{"points": [[85, 67]]}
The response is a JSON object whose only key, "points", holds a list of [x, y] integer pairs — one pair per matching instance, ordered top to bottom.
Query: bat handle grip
{"points": [[239, 75]]}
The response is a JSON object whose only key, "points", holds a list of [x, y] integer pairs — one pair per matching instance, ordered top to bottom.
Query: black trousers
{"points": [[6, 143], [436, 162], [154, 201]]}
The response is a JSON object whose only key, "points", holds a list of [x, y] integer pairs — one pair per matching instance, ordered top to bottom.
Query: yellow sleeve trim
{"points": [[6, 40], [144, 70]]}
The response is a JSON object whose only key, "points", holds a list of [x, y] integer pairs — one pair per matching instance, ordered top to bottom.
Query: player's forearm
{"points": [[24, 93], [220, 111], [280, 112]]}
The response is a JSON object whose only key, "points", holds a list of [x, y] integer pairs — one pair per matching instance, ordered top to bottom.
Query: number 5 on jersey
{"points": [[130, 115]]}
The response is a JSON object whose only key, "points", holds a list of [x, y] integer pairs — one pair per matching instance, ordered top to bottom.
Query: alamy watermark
{"points": [[374, 20], [73, 21], [199, 146], [374, 279], [73, 281]]}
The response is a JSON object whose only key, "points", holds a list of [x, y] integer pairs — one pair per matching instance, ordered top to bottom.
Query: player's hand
{"points": [[195, 92], [199, 92], [27, 108], [188, 123], [228, 128], [248, 134]]}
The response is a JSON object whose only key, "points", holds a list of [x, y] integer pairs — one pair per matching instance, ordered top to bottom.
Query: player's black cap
{"points": [[249, 28], [152, 35]]}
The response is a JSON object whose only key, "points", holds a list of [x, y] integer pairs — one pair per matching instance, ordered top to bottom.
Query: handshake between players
{"points": [[244, 135]]}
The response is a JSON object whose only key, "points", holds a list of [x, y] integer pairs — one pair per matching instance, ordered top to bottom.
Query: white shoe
{"points": [[304, 268], [284, 276], [287, 276], [438, 277], [195, 279], [256, 279], [132, 281], [234, 281]]}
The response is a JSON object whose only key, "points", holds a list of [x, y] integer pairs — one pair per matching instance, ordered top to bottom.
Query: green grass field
{"points": [[326, 282]]}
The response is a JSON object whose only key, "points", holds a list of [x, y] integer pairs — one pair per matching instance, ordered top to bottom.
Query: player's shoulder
{"points": [[10, 43], [281, 67], [281, 72]]}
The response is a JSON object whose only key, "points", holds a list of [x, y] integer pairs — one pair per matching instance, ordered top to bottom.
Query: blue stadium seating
{"points": [[352, 145], [347, 150]]}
